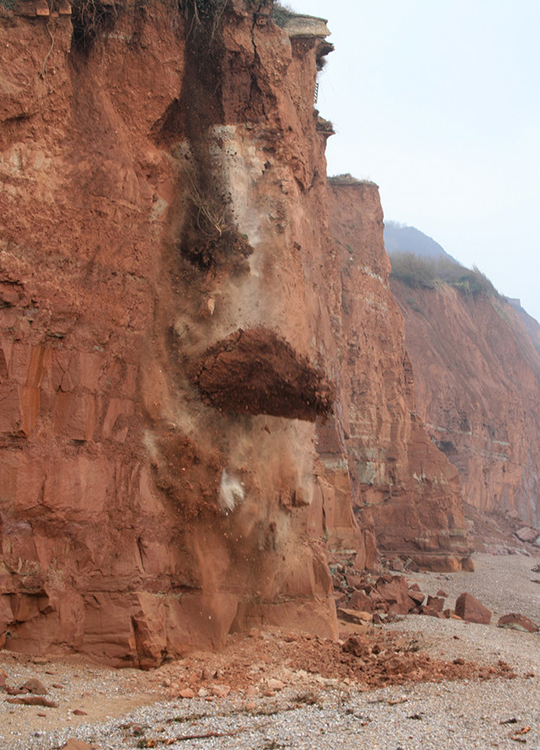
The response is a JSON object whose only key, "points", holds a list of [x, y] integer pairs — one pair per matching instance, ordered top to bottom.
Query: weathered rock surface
{"points": [[161, 190], [176, 326], [476, 362], [400, 482], [527, 534], [471, 610], [516, 621]]}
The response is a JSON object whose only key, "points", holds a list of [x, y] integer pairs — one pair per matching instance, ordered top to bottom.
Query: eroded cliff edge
{"points": [[171, 326], [401, 483]]}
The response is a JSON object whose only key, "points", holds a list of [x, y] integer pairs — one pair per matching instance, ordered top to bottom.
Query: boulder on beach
{"points": [[471, 610], [516, 621]]}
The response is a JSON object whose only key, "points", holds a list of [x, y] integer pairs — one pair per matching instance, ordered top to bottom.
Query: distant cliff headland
{"points": [[476, 359]]}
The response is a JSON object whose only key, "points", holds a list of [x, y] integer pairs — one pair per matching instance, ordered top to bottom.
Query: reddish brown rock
{"points": [[164, 234], [476, 360], [401, 483], [137, 520], [527, 534], [393, 589], [395, 592], [417, 596], [340, 599], [361, 601], [377, 601], [436, 603], [471, 610], [355, 616], [516, 621], [275, 685], [34, 686], [186, 693], [32, 700], [73, 744]]}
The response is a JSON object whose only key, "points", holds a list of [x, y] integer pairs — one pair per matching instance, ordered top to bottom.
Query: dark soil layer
{"points": [[257, 372]]}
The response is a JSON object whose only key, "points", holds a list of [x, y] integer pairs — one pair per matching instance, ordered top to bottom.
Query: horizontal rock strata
{"points": [[477, 373]]}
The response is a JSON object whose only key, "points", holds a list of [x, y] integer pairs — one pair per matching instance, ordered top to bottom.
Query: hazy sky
{"points": [[438, 102]]}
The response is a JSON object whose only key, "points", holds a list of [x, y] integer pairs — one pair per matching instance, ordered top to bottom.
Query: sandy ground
{"points": [[275, 690]]}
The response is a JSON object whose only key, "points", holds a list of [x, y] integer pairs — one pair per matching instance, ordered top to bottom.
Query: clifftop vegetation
{"points": [[282, 13], [429, 272]]}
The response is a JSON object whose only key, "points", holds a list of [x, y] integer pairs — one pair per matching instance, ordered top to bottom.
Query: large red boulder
{"points": [[395, 592], [361, 601], [471, 610]]}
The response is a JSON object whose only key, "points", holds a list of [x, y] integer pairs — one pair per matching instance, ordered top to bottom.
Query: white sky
{"points": [[438, 102]]}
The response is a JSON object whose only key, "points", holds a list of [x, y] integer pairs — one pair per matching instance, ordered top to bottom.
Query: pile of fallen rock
{"points": [[529, 535], [363, 599], [30, 693]]}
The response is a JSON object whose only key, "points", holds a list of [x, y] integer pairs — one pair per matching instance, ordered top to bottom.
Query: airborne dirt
{"points": [[257, 372]]}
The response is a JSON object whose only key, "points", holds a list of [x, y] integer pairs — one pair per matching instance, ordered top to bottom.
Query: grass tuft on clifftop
{"points": [[282, 13], [429, 272]]}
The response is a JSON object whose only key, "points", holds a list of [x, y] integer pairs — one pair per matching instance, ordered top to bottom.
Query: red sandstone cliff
{"points": [[163, 241], [175, 333], [477, 373], [400, 479]]}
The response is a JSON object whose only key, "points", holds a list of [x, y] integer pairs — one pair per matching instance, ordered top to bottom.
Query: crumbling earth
{"points": [[257, 372], [251, 672], [417, 682]]}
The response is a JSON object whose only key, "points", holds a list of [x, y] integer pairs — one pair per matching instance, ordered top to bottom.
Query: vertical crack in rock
{"points": [[258, 16]]}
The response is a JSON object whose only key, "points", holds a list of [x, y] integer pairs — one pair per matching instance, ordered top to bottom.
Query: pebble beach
{"points": [[268, 703]]}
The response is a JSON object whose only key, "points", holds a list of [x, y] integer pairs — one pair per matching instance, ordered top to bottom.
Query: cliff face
{"points": [[163, 188], [477, 372], [193, 383], [401, 481]]}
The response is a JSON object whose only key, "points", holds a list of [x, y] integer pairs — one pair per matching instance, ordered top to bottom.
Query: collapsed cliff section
{"points": [[162, 189], [256, 372], [477, 372], [402, 485]]}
